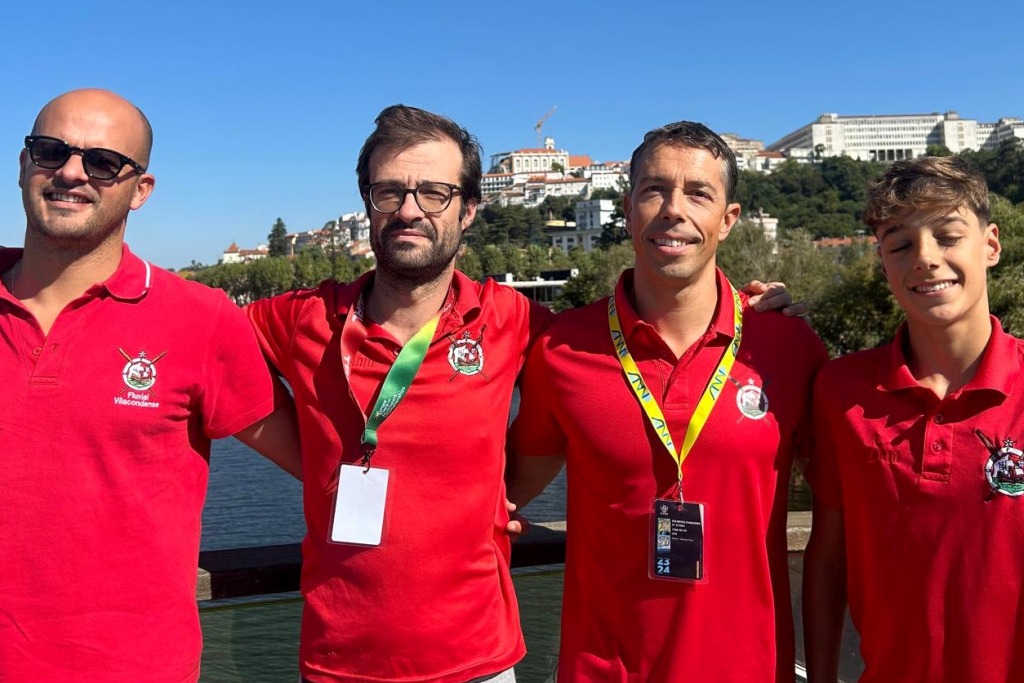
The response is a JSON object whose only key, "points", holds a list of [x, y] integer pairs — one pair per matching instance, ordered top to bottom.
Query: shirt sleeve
{"points": [[273, 320], [237, 390], [536, 430]]}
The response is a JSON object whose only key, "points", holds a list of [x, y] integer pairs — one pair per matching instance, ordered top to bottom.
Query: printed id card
{"points": [[359, 505], [677, 541]]}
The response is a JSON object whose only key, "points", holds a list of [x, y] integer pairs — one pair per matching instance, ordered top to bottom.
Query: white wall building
{"points": [[889, 137], [537, 160], [608, 180], [496, 182], [566, 187], [594, 213], [356, 226], [568, 236], [234, 254]]}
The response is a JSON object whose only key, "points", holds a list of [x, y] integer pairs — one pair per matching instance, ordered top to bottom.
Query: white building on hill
{"points": [[889, 137]]}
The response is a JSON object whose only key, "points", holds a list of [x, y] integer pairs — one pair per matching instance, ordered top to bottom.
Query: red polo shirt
{"points": [[104, 440], [935, 554], [434, 601], [617, 623]]}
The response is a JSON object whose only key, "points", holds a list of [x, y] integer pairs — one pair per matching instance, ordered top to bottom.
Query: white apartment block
{"points": [[889, 137], [742, 147], [761, 162], [608, 180], [496, 182], [566, 187], [593, 213], [355, 225], [566, 236]]}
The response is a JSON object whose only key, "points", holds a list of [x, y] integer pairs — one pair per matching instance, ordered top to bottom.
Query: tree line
{"points": [[852, 308]]}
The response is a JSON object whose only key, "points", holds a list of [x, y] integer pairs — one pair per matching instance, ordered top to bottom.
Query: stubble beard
{"points": [[76, 232], [413, 264]]}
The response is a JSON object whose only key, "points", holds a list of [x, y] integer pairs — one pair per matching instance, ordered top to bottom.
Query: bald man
{"points": [[116, 376]]}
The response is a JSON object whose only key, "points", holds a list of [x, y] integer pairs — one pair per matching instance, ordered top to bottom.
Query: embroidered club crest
{"points": [[466, 355], [139, 373], [752, 401], [1004, 470]]}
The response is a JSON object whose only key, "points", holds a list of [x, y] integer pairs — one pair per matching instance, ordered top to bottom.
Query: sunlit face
{"points": [[65, 206], [677, 213], [410, 244], [937, 263]]}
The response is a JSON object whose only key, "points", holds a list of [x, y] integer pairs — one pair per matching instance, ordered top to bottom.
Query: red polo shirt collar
{"points": [[132, 279], [130, 282], [461, 304], [721, 324], [997, 371]]}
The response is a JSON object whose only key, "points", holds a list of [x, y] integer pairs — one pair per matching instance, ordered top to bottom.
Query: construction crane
{"points": [[540, 126]]}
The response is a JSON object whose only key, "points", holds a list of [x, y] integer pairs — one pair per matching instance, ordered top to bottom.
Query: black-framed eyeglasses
{"points": [[99, 163], [431, 197]]}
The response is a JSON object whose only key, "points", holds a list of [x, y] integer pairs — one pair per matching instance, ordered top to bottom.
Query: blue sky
{"points": [[259, 109]]}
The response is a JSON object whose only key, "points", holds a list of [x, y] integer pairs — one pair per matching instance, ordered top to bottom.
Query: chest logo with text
{"points": [[466, 355], [138, 376], [751, 400], [1004, 469]]}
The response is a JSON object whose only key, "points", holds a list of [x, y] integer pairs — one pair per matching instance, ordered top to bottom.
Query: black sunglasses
{"points": [[99, 163]]}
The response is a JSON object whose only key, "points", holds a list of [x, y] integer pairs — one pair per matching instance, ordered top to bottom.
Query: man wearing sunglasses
{"points": [[117, 375], [403, 382]]}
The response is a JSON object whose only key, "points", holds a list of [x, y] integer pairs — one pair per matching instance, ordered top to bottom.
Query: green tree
{"points": [[277, 240], [747, 254], [492, 260], [469, 263], [311, 267], [599, 270], [268, 277], [1006, 280], [857, 310]]}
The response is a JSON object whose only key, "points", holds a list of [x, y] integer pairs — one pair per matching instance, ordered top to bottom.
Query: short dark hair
{"points": [[400, 127], [694, 135], [929, 184]]}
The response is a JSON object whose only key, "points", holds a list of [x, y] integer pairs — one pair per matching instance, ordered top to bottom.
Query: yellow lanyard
{"points": [[707, 400]]}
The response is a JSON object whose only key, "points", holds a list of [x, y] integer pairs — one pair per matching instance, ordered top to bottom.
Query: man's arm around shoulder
{"points": [[276, 437], [526, 476]]}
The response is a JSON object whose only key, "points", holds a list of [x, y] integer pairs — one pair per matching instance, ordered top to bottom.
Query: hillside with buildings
{"points": [[576, 198]]}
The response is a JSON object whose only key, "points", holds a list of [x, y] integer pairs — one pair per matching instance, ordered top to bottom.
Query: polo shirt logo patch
{"points": [[466, 355], [139, 376], [752, 401], [1004, 470]]}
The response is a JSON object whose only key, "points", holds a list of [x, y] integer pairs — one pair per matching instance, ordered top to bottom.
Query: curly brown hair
{"points": [[926, 184]]}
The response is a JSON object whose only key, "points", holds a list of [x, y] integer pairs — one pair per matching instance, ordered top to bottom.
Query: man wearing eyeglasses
{"points": [[403, 382], [112, 394]]}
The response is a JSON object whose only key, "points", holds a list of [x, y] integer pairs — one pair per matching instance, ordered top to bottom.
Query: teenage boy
{"points": [[918, 474]]}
